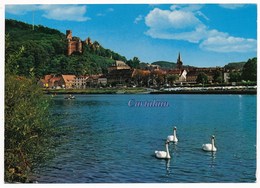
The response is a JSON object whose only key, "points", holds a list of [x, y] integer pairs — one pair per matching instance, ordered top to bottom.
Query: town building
{"points": [[118, 65], [179, 73], [193, 73], [120, 76], [226, 76], [191, 77], [93, 80], [50, 81], [58, 81], [67, 81], [102, 81], [80, 82]]}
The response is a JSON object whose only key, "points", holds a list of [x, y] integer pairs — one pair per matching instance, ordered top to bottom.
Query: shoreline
{"points": [[95, 91], [143, 91], [219, 92]]}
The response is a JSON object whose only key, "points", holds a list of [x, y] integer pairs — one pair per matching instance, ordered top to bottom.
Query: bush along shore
{"points": [[30, 132]]}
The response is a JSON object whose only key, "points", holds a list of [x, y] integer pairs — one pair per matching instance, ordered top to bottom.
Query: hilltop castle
{"points": [[74, 44]]}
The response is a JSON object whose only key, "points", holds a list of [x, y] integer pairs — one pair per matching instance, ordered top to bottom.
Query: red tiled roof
{"points": [[175, 71], [48, 77], [68, 78]]}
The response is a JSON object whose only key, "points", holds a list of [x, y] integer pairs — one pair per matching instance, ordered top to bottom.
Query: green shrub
{"points": [[27, 127]]}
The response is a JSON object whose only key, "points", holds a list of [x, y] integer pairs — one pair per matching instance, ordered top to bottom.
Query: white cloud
{"points": [[232, 6], [175, 7], [192, 7], [20, 9], [110, 10], [55, 12], [65, 12], [105, 12], [199, 13], [100, 14], [138, 19], [177, 19], [183, 23], [175, 24], [193, 36], [229, 44]]}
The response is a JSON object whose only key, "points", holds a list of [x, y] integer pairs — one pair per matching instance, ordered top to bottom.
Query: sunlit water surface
{"points": [[112, 142]]}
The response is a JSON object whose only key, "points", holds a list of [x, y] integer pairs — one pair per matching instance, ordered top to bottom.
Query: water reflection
{"points": [[175, 147], [212, 156], [168, 169]]}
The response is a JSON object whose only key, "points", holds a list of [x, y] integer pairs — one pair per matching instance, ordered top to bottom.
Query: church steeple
{"points": [[179, 62]]}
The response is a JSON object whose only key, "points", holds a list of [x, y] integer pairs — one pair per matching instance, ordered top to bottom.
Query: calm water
{"points": [[112, 142]]}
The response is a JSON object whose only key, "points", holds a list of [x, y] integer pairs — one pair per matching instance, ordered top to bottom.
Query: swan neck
{"points": [[174, 133], [213, 142], [167, 151]]}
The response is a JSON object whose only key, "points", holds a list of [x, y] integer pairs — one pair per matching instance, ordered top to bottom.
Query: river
{"points": [[113, 139]]}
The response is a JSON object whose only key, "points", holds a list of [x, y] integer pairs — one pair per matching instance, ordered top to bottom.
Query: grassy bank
{"points": [[96, 91]]}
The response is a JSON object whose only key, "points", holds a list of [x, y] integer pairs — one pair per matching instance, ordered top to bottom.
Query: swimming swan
{"points": [[173, 138], [210, 147], [163, 154]]}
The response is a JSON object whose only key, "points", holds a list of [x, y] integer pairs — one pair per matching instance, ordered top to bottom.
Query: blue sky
{"points": [[206, 35]]}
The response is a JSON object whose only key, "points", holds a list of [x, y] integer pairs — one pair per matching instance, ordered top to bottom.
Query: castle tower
{"points": [[69, 34], [69, 38], [88, 41], [73, 44], [79, 46], [69, 48], [179, 62]]}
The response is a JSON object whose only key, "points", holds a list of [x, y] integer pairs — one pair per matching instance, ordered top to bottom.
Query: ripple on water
{"points": [[110, 142]]}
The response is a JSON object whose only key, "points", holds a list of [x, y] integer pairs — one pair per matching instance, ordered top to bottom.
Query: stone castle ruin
{"points": [[74, 44]]}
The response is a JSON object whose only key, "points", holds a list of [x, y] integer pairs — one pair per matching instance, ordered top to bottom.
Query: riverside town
{"points": [[160, 77]]}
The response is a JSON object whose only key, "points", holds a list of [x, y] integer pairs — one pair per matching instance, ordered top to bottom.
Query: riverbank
{"points": [[143, 90], [96, 91], [233, 91]]}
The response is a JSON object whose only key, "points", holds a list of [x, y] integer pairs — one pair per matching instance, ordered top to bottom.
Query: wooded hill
{"points": [[44, 52], [169, 65], [235, 65]]}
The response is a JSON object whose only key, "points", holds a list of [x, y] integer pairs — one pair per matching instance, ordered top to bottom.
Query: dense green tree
{"points": [[11, 56], [133, 63], [165, 64], [235, 66], [249, 71], [159, 77], [217, 77], [235, 77], [202, 78], [171, 79], [28, 129]]}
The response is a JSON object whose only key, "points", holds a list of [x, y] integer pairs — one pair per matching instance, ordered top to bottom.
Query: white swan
{"points": [[173, 138], [210, 147], [163, 154]]}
